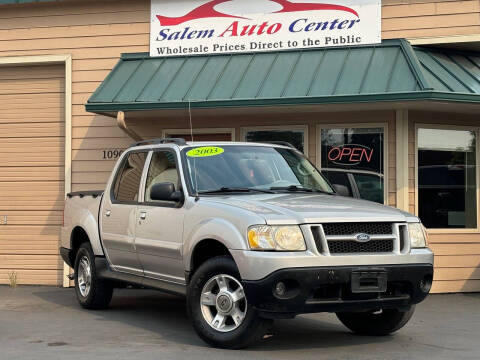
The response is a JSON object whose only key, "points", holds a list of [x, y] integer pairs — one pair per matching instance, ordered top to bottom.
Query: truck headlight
{"points": [[418, 235], [279, 238]]}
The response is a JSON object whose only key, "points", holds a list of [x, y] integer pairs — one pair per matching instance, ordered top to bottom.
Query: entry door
{"points": [[119, 215], [159, 231]]}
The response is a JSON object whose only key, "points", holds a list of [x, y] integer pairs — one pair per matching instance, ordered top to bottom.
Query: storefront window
{"points": [[294, 137], [359, 154], [340, 178], [447, 181], [370, 187]]}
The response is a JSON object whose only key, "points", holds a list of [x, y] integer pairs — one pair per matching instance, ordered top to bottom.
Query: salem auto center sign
{"points": [[194, 27]]}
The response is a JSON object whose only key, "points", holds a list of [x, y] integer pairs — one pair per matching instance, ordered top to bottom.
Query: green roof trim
{"points": [[390, 71]]}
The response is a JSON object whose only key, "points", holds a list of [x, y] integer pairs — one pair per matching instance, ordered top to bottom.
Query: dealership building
{"points": [[394, 118]]}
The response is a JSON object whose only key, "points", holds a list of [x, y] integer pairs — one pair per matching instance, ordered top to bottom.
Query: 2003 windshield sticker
{"points": [[205, 152]]}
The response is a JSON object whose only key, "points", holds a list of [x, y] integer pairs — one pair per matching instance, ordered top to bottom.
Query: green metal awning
{"points": [[391, 71]]}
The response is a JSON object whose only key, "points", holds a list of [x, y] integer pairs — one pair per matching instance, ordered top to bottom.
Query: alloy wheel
{"points": [[84, 277], [223, 303]]}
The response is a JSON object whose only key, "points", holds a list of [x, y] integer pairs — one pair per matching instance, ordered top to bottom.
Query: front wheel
{"points": [[219, 309], [376, 323]]}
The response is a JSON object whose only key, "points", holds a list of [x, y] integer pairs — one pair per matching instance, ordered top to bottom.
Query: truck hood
{"points": [[302, 208]]}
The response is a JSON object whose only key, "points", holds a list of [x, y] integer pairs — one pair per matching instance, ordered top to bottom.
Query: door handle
{"points": [[108, 213], [143, 215]]}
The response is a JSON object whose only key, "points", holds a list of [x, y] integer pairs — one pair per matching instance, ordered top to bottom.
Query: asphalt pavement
{"points": [[47, 323]]}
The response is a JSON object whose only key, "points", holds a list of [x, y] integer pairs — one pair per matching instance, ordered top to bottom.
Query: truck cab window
{"points": [[163, 169], [128, 182]]}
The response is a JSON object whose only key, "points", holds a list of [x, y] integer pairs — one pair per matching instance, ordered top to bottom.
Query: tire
{"points": [[92, 293], [376, 324], [225, 333]]}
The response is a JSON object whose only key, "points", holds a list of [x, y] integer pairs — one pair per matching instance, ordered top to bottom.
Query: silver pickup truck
{"points": [[248, 233]]}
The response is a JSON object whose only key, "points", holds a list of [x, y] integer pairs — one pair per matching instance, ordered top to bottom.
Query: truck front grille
{"points": [[357, 228], [341, 238], [351, 247]]}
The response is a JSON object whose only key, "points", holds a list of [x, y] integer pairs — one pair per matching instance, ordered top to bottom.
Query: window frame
{"points": [[383, 125], [304, 128], [474, 129], [119, 169], [143, 184], [188, 188]]}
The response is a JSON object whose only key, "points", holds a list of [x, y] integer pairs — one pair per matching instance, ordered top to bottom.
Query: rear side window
{"points": [[128, 180]]}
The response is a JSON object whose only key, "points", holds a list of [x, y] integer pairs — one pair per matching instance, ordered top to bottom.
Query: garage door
{"points": [[31, 173]]}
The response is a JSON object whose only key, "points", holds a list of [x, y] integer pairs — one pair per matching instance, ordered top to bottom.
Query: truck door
{"points": [[118, 214], [159, 229]]}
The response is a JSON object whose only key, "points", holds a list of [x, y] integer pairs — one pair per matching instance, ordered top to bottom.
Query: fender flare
{"points": [[89, 224], [209, 230]]}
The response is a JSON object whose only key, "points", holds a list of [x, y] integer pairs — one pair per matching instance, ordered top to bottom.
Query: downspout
{"points": [[123, 125]]}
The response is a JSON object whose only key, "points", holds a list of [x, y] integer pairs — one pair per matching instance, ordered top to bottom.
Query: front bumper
{"points": [[256, 265], [329, 289]]}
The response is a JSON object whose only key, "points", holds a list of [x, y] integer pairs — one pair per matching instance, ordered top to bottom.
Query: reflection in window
{"points": [[294, 137], [358, 152], [258, 167], [163, 169], [339, 178], [447, 178], [128, 183], [370, 186]]}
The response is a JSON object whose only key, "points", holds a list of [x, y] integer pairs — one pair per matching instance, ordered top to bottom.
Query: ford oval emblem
{"points": [[363, 238]]}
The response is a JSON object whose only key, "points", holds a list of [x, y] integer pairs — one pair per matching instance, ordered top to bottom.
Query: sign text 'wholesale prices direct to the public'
{"points": [[191, 27]]}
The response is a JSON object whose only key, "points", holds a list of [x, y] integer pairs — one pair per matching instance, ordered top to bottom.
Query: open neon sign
{"points": [[350, 154]]}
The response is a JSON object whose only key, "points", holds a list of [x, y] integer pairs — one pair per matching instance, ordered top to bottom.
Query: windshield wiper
{"points": [[291, 188], [294, 188], [232, 189]]}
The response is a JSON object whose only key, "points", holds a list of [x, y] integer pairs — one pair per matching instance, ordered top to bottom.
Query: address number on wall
{"points": [[111, 154]]}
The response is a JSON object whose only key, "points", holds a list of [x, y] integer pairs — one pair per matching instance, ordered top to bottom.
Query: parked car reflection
{"points": [[367, 185]]}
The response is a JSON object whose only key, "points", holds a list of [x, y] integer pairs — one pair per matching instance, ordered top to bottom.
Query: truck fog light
{"points": [[280, 289]]}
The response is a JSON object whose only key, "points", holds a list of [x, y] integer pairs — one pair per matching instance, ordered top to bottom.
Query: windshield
{"points": [[253, 168]]}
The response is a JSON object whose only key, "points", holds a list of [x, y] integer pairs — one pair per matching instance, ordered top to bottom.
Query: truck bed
{"points": [[82, 210]]}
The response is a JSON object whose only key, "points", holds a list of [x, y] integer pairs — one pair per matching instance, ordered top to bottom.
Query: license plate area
{"points": [[369, 282]]}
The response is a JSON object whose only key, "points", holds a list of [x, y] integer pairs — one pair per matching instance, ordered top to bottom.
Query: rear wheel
{"points": [[92, 292], [219, 307], [376, 323]]}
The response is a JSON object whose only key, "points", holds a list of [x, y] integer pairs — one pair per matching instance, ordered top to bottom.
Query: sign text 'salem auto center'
{"points": [[185, 27]]}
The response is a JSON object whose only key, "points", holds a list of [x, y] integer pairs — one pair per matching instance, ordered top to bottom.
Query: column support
{"points": [[402, 160]]}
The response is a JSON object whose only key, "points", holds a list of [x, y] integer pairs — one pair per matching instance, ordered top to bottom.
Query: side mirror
{"points": [[342, 190], [165, 192]]}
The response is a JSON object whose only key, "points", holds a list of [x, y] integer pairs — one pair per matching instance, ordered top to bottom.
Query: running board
{"points": [[105, 272]]}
